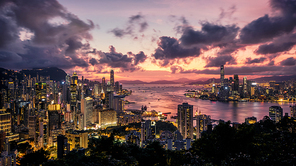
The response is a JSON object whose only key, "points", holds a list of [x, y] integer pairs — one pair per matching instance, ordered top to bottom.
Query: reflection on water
{"points": [[165, 98]]}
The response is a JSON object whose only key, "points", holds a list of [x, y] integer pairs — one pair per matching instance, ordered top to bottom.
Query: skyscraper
{"points": [[222, 75], [75, 78], [112, 80], [103, 81], [236, 83], [245, 90], [87, 111], [275, 113], [185, 120], [202, 122]]}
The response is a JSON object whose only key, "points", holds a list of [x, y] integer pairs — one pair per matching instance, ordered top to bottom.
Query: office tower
{"points": [[222, 75], [74, 78], [67, 80], [112, 80], [103, 82], [236, 83], [245, 85], [116, 88], [120, 88], [96, 90], [252, 90], [10, 91], [73, 91], [118, 104], [87, 111], [293, 111], [275, 113], [185, 120], [251, 120], [202, 122], [5, 124], [32, 127], [62, 146]]}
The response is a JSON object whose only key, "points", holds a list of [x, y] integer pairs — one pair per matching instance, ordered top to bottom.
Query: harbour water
{"points": [[166, 98]]}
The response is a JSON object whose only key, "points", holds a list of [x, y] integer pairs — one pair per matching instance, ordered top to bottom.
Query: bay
{"points": [[166, 98]]}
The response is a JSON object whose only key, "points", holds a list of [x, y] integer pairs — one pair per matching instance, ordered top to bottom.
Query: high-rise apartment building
{"points": [[293, 111], [275, 113], [185, 120], [202, 122], [148, 130]]}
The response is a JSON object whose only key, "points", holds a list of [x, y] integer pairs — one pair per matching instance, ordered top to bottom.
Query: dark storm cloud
{"points": [[287, 7], [136, 23], [266, 28], [8, 31], [210, 34], [51, 44], [169, 48], [275, 48], [140, 58], [220, 60], [256, 60], [93, 61], [124, 62], [288, 62]]}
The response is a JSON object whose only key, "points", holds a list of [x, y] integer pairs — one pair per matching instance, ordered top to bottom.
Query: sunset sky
{"points": [[150, 40]]}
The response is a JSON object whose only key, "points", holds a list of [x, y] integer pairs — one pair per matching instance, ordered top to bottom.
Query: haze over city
{"points": [[150, 40]]}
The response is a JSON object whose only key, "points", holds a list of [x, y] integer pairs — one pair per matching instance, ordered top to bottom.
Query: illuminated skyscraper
{"points": [[222, 75], [75, 78], [112, 79], [73, 90], [245, 90], [87, 111], [275, 113], [5, 119], [185, 120]]}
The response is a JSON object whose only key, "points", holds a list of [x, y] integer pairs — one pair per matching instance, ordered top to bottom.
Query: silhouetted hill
{"points": [[54, 73], [275, 78], [132, 82], [163, 82], [205, 82]]}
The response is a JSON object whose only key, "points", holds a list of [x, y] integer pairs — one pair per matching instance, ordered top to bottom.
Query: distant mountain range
{"points": [[59, 75], [204, 81]]}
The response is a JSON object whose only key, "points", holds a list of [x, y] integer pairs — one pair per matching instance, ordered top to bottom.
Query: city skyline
{"points": [[150, 40]]}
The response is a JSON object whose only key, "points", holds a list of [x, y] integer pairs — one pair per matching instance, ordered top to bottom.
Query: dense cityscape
{"points": [[147, 82], [60, 117]]}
